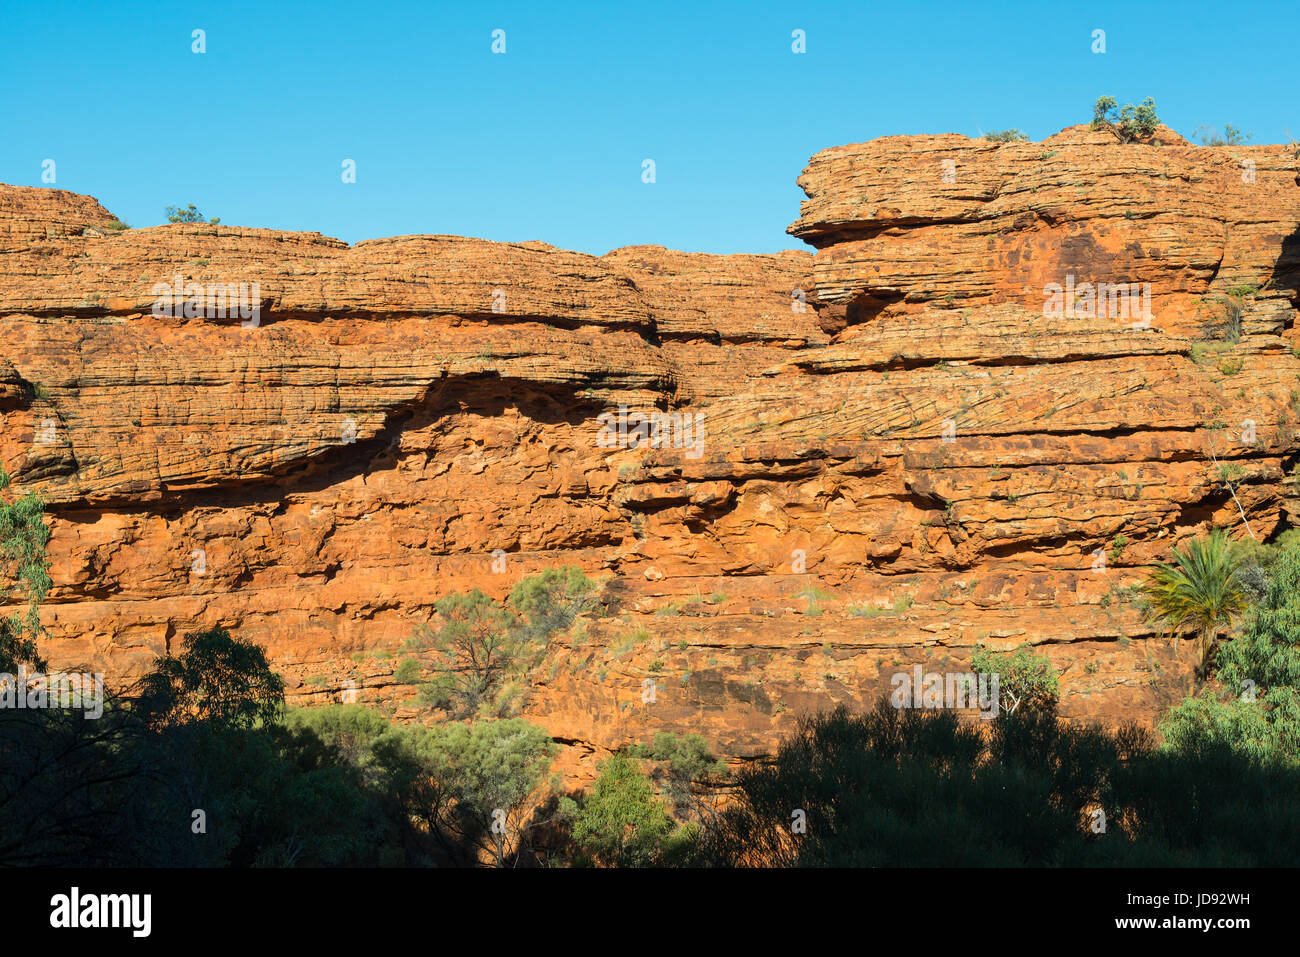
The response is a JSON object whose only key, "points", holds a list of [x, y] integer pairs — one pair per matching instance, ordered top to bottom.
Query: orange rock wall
{"points": [[899, 454]]}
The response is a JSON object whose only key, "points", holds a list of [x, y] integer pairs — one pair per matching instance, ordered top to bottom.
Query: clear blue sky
{"points": [[547, 141]]}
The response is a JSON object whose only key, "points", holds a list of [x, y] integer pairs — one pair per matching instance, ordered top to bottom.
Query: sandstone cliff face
{"points": [[897, 454]]}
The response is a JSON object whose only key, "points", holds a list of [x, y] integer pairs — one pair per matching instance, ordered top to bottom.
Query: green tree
{"points": [[1104, 112], [1131, 123], [1007, 136], [187, 214], [24, 572], [1202, 589], [550, 600], [478, 644], [484, 649], [217, 678], [1024, 678], [1257, 708], [491, 768], [688, 773], [620, 823]]}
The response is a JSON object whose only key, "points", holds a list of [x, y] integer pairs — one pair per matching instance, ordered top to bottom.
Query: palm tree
{"points": [[1203, 589]]}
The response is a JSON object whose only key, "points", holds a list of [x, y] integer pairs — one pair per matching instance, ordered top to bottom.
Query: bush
{"points": [[1131, 124], [1007, 136], [187, 214], [24, 575], [550, 601], [478, 645], [482, 646], [407, 672], [1024, 678], [1256, 711], [488, 769], [688, 772], [913, 788], [619, 823]]}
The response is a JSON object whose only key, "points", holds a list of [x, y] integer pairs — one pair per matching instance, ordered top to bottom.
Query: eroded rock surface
{"points": [[901, 451]]}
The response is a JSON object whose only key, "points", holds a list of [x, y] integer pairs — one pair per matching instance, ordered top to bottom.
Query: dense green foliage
{"points": [[1131, 124], [1007, 136], [24, 572], [550, 600], [482, 649], [217, 678], [1024, 678], [1255, 709], [687, 772], [220, 776], [203, 782], [465, 785], [909, 788], [620, 823]]}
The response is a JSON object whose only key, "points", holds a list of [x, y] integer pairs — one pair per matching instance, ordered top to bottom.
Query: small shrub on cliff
{"points": [[1131, 124], [1007, 136], [1231, 136], [187, 214], [1221, 315], [550, 601], [478, 644], [484, 648], [407, 672]]}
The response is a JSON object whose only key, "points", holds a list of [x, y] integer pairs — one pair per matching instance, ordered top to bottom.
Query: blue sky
{"points": [[547, 140]]}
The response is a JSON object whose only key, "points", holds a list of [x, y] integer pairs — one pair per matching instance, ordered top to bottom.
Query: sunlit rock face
{"points": [[1001, 388]]}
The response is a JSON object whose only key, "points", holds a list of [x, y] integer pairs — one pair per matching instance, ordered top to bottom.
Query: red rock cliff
{"points": [[905, 445]]}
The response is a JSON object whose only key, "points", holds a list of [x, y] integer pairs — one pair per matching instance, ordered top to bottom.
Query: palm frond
{"points": [[1201, 589]]}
